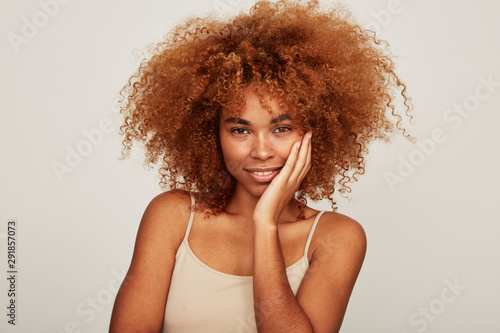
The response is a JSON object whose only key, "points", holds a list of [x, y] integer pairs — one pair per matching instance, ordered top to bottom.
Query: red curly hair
{"points": [[338, 78]]}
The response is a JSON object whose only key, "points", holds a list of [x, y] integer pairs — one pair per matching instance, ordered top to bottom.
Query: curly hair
{"points": [[339, 79]]}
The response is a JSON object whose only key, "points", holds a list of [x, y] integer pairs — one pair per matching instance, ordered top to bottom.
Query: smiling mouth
{"points": [[262, 173], [263, 176]]}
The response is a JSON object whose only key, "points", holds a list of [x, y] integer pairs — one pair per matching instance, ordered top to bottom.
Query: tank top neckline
{"points": [[289, 269]]}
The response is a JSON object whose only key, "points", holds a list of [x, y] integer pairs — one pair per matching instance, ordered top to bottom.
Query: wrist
{"points": [[265, 224]]}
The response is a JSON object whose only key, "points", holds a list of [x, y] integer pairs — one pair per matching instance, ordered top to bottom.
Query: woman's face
{"points": [[256, 145]]}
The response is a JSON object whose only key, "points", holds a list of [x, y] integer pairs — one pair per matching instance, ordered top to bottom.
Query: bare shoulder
{"points": [[171, 201], [168, 212], [165, 219], [339, 234]]}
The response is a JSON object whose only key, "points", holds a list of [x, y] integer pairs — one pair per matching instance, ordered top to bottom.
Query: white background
{"points": [[438, 225]]}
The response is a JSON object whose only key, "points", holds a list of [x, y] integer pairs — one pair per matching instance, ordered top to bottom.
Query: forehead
{"points": [[256, 107]]}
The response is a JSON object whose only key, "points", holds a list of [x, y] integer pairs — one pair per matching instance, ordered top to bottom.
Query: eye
{"points": [[282, 129], [238, 130]]}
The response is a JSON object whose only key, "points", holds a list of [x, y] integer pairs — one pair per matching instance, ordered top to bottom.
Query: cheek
{"points": [[225, 144], [284, 148], [284, 151], [233, 153]]}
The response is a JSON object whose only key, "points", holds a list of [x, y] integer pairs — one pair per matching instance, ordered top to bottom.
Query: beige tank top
{"points": [[202, 299]]}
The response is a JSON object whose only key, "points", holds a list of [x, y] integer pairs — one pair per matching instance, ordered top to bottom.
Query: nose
{"points": [[262, 148]]}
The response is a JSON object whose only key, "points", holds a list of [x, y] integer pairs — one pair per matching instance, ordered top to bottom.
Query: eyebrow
{"points": [[240, 121]]}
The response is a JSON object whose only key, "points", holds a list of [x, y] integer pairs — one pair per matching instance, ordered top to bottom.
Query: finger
{"points": [[292, 158], [301, 163], [307, 165], [284, 175]]}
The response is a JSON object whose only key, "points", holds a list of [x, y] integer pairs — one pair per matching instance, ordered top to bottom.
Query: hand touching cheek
{"points": [[282, 188]]}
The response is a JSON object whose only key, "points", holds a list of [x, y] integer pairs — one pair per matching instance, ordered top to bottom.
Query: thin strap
{"points": [[190, 223], [315, 223]]}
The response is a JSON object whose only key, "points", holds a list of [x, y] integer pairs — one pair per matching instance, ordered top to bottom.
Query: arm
{"points": [[338, 253], [337, 258], [322, 299], [140, 302], [276, 309]]}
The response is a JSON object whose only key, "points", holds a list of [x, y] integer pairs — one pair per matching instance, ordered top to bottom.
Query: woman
{"points": [[248, 117]]}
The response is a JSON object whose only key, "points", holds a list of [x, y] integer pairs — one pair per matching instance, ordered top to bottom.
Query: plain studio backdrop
{"points": [[430, 210]]}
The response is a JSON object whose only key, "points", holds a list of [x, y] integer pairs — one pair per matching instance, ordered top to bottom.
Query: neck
{"points": [[243, 204]]}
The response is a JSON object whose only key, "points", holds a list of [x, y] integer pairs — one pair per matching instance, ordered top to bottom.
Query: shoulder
{"points": [[171, 203], [167, 214], [161, 230], [338, 235]]}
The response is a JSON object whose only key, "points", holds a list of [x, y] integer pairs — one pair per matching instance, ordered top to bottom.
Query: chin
{"points": [[256, 190], [259, 192]]}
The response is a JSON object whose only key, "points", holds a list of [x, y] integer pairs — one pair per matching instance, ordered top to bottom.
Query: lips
{"points": [[263, 175]]}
